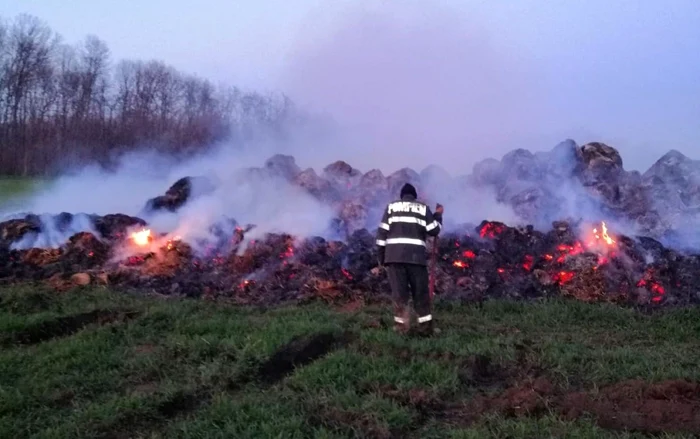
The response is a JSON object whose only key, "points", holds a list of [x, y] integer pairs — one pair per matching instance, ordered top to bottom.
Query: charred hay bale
{"points": [[598, 156], [282, 165], [521, 165], [487, 172], [342, 175], [401, 177], [319, 187], [373, 190], [179, 193], [533, 203], [353, 214], [116, 226], [15, 229], [517, 245], [273, 248], [85, 250], [315, 252], [40, 256], [360, 256], [172, 259], [685, 279], [590, 285]]}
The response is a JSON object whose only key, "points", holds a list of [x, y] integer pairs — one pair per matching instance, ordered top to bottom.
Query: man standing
{"points": [[401, 243]]}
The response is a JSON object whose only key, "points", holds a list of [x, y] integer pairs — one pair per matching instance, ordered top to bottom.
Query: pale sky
{"points": [[443, 80]]}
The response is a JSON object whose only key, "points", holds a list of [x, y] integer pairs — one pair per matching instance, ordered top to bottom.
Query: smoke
{"points": [[410, 86], [389, 87], [239, 190]]}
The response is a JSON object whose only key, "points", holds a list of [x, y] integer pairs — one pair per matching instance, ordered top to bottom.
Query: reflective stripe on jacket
{"points": [[405, 225]]}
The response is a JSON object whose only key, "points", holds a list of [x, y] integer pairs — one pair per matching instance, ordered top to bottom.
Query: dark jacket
{"points": [[405, 225]]}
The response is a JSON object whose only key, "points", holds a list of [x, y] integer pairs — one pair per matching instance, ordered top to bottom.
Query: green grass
{"points": [[14, 188], [185, 368]]}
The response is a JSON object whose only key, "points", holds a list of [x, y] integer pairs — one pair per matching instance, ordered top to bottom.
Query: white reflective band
{"points": [[406, 219], [432, 225], [384, 226], [405, 241], [381, 242], [424, 319], [399, 320]]}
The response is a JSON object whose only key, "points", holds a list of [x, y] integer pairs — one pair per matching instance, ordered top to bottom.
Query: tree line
{"points": [[66, 105]]}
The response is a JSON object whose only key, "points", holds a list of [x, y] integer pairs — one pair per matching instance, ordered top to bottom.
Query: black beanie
{"points": [[408, 189]]}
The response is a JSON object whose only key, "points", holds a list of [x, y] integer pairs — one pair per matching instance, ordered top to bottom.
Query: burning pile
{"points": [[577, 258], [583, 261]]}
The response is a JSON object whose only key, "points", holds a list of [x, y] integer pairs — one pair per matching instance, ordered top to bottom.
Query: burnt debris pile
{"points": [[575, 197], [584, 261]]}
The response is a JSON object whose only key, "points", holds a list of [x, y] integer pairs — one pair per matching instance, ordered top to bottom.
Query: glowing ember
{"points": [[490, 230], [142, 237], [569, 250], [288, 253], [469, 254], [528, 262], [460, 264], [346, 273], [563, 277], [654, 287]]}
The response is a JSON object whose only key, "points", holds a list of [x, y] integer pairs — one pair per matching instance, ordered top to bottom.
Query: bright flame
{"points": [[604, 235], [141, 237], [171, 243]]}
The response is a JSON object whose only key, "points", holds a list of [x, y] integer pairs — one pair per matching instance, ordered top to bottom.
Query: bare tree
{"points": [[62, 104]]}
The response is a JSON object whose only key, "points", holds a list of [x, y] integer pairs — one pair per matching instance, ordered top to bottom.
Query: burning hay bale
{"points": [[574, 258], [583, 261]]}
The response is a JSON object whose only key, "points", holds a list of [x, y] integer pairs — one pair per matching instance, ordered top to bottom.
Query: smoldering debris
{"points": [[597, 233]]}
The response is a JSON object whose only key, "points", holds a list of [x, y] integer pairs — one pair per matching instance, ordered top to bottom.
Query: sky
{"points": [[439, 81]]}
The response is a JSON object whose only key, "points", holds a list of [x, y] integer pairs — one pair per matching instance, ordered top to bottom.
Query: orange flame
{"points": [[603, 235], [142, 237], [171, 243]]}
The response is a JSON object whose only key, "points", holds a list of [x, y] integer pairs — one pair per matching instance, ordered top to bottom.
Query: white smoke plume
{"points": [[272, 204]]}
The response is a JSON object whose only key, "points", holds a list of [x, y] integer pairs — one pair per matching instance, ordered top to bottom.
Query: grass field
{"points": [[11, 188], [98, 363]]}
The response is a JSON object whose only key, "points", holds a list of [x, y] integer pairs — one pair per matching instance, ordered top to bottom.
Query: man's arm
{"points": [[433, 221], [382, 233]]}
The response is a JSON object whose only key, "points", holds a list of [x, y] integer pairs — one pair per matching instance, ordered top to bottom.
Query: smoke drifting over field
{"points": [[410, 86]]}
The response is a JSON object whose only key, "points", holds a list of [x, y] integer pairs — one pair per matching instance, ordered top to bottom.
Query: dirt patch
{"points": [[65, 326], [300, 352], [481, 371], [179, 403], [666, 407], [349, 422], [140, 424]]}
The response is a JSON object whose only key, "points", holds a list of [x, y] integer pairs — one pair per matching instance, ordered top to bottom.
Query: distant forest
{"points": [[67, 105]]}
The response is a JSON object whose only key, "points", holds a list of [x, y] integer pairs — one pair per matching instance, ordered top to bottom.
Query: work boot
{"points": [[402, 321]]}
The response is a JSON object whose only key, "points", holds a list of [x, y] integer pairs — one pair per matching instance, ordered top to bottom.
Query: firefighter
{"points": [[401, 236]]}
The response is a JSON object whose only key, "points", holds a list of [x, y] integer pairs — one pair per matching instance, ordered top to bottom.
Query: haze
{"points": [[448, 82]]}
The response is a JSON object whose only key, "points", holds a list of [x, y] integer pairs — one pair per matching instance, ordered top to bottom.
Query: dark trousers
{"points": [[407, 280]]}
